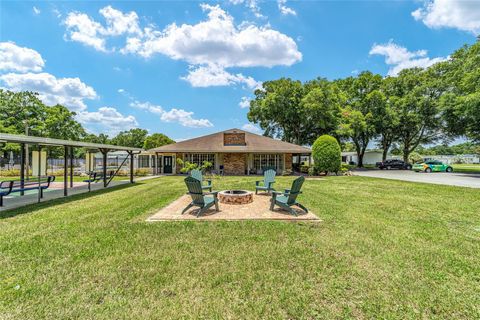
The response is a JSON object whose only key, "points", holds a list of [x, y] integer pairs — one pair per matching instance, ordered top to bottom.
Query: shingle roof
{"points": [[214, 143]]}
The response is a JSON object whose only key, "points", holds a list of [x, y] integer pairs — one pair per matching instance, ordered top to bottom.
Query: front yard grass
{"points": [[466, 168], [385, 249]]}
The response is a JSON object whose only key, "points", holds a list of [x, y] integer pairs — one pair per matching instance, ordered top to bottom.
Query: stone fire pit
{"points": [[235, 196]]}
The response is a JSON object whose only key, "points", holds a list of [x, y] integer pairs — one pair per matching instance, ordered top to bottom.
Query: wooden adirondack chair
{"points": [[197, 174], [268, 181], [199, 199], [287, 199]]}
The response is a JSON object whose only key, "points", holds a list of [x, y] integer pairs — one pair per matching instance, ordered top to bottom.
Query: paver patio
{"points": [[259, 209]]}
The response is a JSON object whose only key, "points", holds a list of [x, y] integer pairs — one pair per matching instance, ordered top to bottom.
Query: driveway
{"points": [[470, 180]]}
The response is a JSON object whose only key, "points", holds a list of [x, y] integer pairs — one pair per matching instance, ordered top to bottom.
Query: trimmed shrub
{"points": [[327, 155], [304, 168], [141, 172], [9, 173]]}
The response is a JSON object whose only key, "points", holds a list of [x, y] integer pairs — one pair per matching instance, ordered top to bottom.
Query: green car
{"points": [[432, 166]]}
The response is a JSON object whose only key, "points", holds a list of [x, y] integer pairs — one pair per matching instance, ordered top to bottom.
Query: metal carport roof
{"points": [[16, 138]]}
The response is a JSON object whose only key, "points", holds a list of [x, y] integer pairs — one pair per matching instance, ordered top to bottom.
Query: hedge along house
{"points": [[232, 152]]}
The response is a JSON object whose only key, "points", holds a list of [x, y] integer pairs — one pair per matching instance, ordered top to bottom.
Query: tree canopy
{"points": [[414, 108], [156, 140]]}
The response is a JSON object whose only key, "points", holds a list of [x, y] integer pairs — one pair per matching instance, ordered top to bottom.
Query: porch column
{"points": [[104, 153], [37, 156], [131, 166], [22, 167], [71, 167], [65, 171], [39, 172]]}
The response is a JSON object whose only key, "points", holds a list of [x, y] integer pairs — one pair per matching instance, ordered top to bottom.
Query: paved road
{"points": [[453, 179]]}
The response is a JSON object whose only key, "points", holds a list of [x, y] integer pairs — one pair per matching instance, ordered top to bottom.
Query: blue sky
{"points": [[184, 68]]}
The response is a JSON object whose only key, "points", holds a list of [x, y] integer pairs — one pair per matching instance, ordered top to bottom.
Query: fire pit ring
{"points": [[235, 196]]}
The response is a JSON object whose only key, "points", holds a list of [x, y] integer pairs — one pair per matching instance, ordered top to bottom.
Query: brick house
{"points": [[233, 152]]}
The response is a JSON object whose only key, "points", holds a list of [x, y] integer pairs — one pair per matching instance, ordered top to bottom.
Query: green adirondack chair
{"points": [[197, 174], [268, 181], [199, 199], [287, 199]]}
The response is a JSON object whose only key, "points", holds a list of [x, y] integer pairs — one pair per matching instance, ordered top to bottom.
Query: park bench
{"points": [[96, 176], [12, 186]]}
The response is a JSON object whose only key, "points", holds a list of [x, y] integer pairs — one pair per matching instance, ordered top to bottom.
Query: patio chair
{"points": [[197, 174], [268, 181], [199, 199], [287, 199]]}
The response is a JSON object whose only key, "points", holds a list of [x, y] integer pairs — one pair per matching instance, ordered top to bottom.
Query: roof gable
{"points": [[216, 143]]}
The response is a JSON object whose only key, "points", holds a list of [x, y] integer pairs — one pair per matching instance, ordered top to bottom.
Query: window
{"points": [[199, 158], [143, 161], [261, 161]]}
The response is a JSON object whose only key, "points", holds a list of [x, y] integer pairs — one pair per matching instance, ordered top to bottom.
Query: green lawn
{"points": [[466, 168], [385, 249]]}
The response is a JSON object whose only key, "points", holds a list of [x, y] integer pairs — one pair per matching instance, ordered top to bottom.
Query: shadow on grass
{"points": [[53, 202]]}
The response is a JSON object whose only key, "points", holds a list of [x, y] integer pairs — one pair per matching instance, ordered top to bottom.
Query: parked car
{"points": [[394, 164], [432, 166]]}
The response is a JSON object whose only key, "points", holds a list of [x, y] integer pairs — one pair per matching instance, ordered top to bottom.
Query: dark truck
{"points": [[394, 164]]}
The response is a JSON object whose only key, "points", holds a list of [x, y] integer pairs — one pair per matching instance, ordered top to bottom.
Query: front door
{"points": [[167, 164]]}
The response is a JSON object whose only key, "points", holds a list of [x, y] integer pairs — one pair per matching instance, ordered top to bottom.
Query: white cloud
{"points": [[250, 4], [284, 9], [36, 11], [56, 12], [462, 15], [119, 23], [83, 29], [219, 41], [210, 46], [399, 58], [21, 59], [213, 75], [66, 91], [70, 92], [244, 103], [147, 106], [107, 118], [185, 119], [251, 128]]}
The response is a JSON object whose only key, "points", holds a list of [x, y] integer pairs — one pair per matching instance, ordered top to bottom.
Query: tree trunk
{"points": [[358, 149], [384, 154], [406, 154], [360, 158], [360, 161]]}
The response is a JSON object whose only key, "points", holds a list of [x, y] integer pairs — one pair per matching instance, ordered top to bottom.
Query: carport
{"points": [[68, 146]]}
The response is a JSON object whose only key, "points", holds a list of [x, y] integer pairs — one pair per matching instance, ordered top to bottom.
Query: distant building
{"points": [[369, 158]]}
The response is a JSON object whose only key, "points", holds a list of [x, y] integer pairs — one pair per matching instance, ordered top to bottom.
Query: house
{"points": [[232, 152], [369, 158]]}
